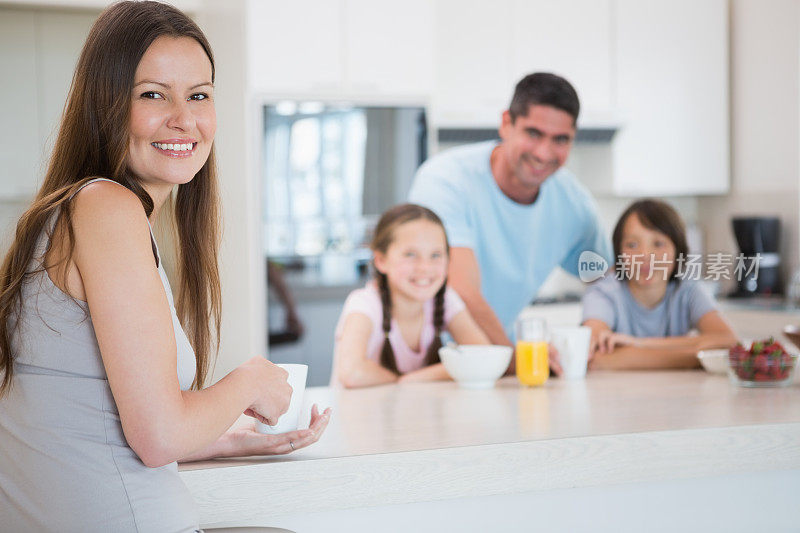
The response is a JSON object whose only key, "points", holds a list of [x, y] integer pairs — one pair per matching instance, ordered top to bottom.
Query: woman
{"points": [[101, 390]]}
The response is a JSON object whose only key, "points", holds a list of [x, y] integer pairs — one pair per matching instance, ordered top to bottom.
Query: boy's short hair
{"points": [[658, 216]]}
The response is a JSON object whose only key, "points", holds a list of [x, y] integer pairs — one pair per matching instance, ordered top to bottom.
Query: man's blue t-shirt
{"points": [[517, 246]]}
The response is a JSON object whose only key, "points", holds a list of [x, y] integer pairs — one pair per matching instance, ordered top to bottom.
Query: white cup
{"points": [[572, 344], [288, 420]]}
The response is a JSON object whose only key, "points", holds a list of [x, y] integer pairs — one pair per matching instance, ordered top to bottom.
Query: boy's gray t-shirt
{"points": [[684, 303]]}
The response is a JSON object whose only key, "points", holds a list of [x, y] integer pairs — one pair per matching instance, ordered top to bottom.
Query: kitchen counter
{"points": [[466, 450]]}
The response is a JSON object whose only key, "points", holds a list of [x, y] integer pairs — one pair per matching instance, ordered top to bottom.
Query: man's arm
{"points": [[465, 277]]}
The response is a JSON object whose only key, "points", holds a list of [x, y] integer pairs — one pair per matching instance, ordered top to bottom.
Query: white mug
{"points": [[572, 344], [288, 421]]}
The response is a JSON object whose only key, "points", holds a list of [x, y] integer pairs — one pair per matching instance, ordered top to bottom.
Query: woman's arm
{"points": [[133, 324], [623, 352], [353, 367]]}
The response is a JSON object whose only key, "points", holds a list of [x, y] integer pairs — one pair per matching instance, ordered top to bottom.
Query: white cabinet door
{"points": [[571, 38], [61, 39], [295, 46], [388, 47], [473, 79], [672, 96], [20, 151]]}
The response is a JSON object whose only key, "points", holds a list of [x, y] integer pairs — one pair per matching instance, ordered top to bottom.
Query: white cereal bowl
{"points": [[714, 361], [475, 366]]}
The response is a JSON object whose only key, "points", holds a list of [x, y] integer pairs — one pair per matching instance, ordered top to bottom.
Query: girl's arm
{"points": [[132, 321], [464, 331], [623, 352], [353, 367], [435, 372]]}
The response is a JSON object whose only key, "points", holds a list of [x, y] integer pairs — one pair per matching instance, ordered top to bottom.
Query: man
{"points": [[512, 213]]}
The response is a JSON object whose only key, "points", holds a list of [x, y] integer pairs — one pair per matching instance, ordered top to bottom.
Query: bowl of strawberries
{"points": [[764, 363]]}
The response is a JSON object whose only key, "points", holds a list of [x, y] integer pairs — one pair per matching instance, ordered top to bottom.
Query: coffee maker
{"points": [[758, 237]]}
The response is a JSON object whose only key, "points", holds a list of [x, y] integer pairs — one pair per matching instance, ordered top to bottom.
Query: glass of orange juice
{"points": [[533, 367]]}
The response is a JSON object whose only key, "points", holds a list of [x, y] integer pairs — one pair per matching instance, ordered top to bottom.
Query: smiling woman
{"points": [[173, 120], [102, 385]]}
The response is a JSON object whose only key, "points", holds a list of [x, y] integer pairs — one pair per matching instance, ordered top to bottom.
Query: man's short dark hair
{"points": [[543, 88]]}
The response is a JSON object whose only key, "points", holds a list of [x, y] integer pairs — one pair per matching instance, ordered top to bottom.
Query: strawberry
{"points": [[761, 364], [774, 369]]}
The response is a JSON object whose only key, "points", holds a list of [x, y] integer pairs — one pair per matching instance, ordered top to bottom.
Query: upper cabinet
{"points": [[571, 38], [295, 46], [388, 47], [40, 48], [484, 48], [367, 49], [656, 70], [473, 81], [672, 97], [20, 152]]}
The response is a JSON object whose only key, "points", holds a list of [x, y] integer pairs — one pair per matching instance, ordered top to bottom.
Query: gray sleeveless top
{"points": [[64, 462]]}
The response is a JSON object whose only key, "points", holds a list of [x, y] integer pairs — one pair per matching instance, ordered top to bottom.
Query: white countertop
{"points": [[425, 442]]}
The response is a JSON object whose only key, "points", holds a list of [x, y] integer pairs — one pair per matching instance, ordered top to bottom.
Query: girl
{"points": [[642, 317], [390, 330], [101, 387]]}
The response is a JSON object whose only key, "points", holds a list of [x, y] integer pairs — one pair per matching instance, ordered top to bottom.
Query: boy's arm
{"points": [[665, 352]]}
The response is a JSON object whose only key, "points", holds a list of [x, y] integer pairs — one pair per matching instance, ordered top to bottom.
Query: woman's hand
{"points": [[273, 392], [247, 441]]}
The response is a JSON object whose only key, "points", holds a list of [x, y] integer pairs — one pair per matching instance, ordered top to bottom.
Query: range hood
{"points": [[463, 135]]}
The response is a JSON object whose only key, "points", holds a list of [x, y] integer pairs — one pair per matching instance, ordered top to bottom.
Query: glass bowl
{"points": [[763, 370]]}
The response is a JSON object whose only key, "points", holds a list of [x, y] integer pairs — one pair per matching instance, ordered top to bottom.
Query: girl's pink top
{"points": [[368, 302]]}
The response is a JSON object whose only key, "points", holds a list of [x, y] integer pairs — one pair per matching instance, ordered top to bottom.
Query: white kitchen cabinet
{"points": [[189, 6], [571, 38], [61, 39], [295, 46], [388, 47], [341, 48], [484, 48], [38, 53], [656, 69], [473, 82], [672, 97], [20, 152]]}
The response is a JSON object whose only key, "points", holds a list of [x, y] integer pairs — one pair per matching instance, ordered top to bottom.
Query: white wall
{"points": [[243, 269]]}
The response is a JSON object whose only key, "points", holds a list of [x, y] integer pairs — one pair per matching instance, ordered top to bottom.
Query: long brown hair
{"points": [[93, 141], [383, 238]]}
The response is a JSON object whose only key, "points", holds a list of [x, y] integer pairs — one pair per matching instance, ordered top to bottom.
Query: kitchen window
{"points": [[331, 169]]}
